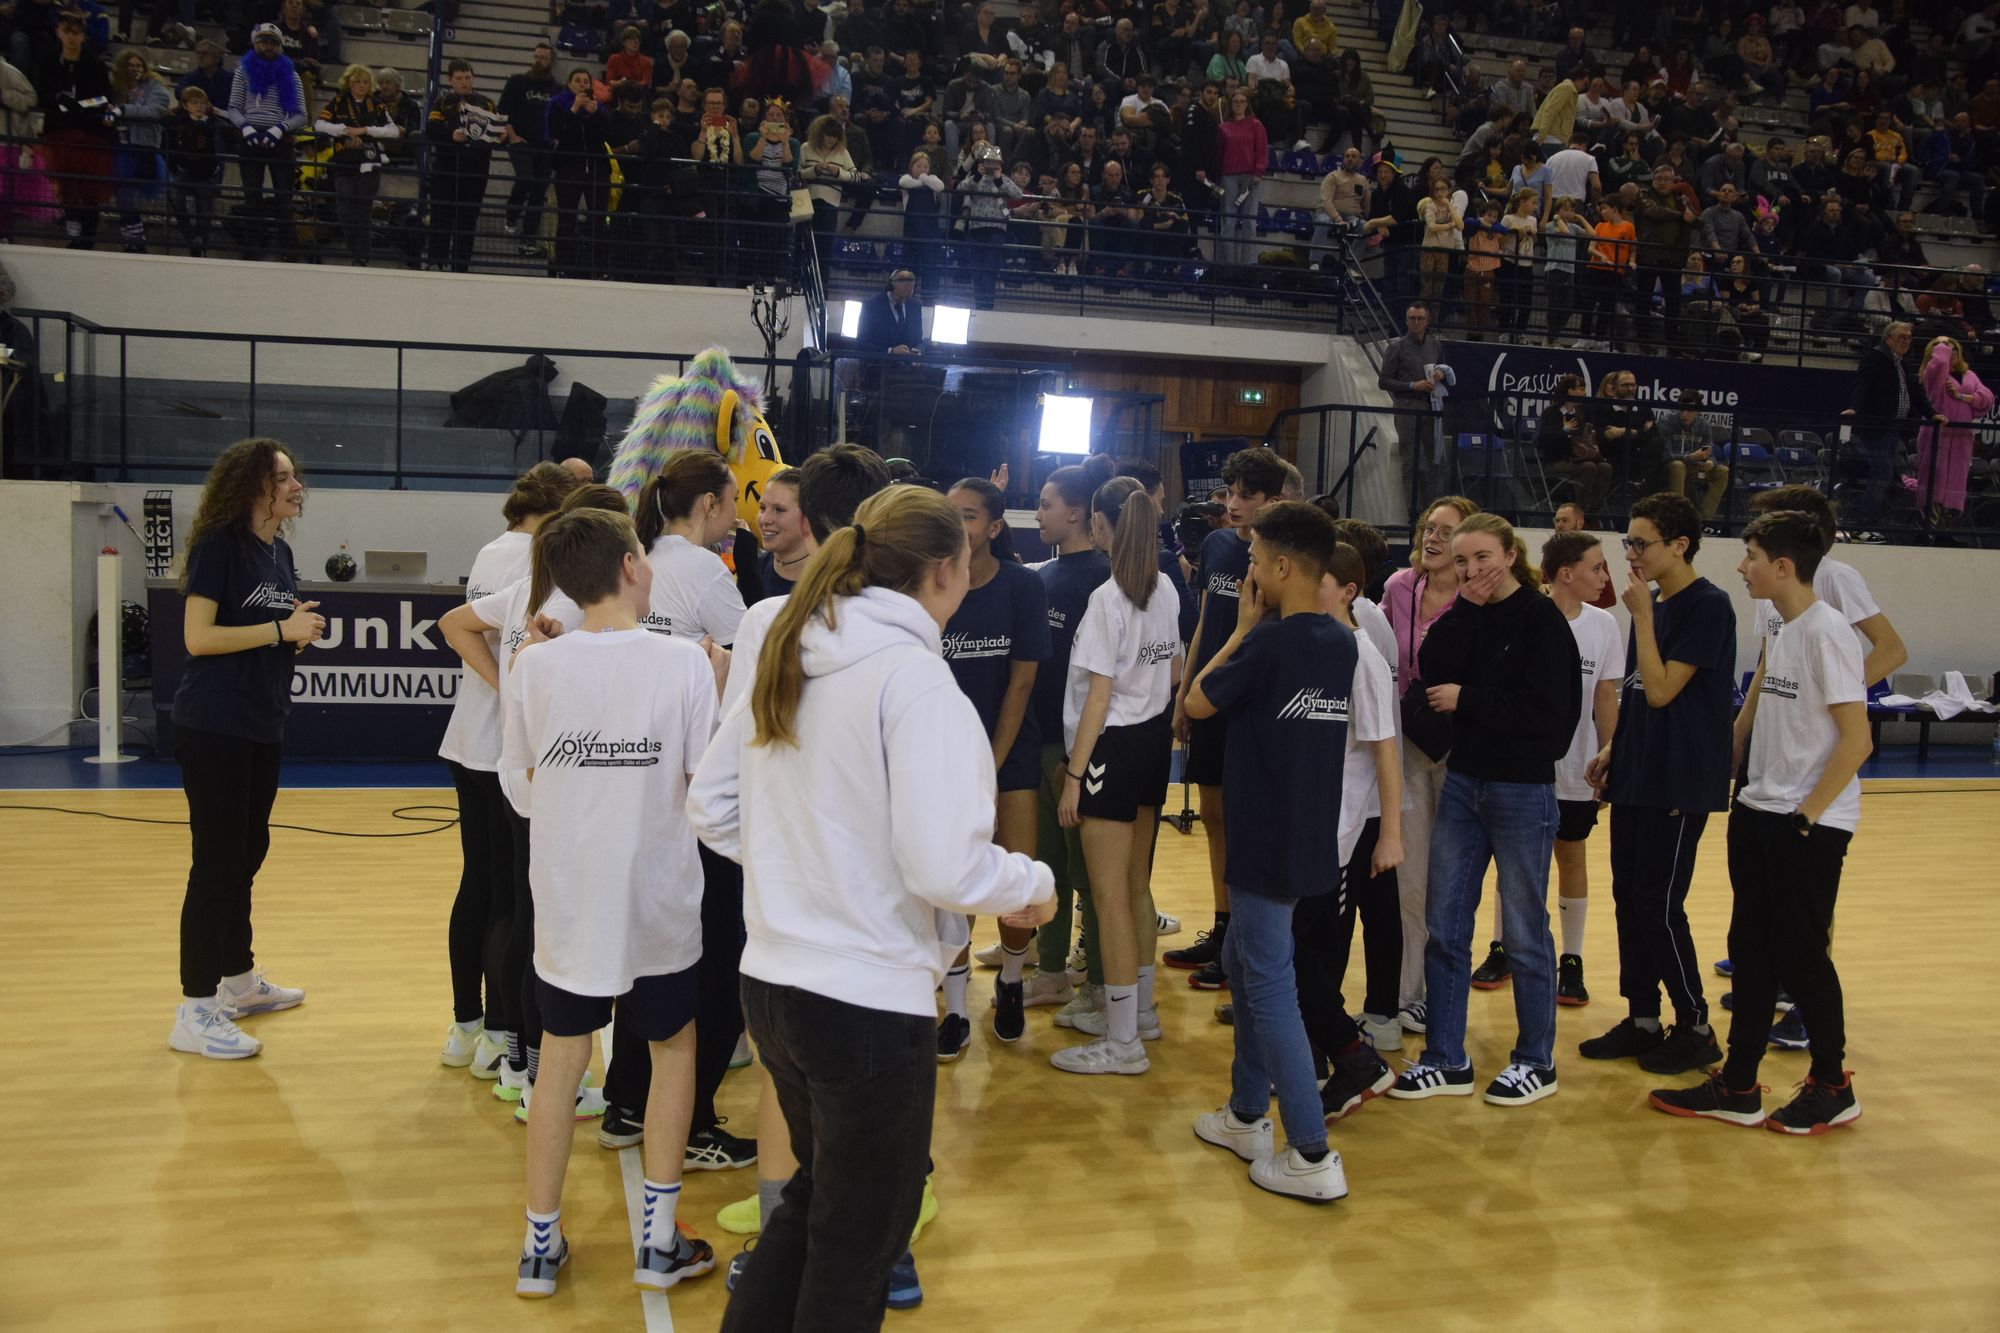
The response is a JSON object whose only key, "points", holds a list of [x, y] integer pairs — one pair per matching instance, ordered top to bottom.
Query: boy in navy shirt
{"points": [[1255, 478], [1281, 682], [1666, 768]]}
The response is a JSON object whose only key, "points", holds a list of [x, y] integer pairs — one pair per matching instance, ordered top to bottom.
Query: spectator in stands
{"points": [[1315, 25], [299, 39], [983, 42], [1438, 57], [1121, 61], [1227, 62], [1267, 63], [628, 64], [675, 64], [719, 69], [209, 74], [1316, 83], [1355, 92], [1516, 92], [915, 99], [967, 101], [141, 102], [525, 103], [1011, 103], [267, 106], [1593, 109], [1628, 114], [1555, 119], [355, 123], [463, 127], [77, 140], [1478, 146], [577, 147], [1243, 153], [398, 154], [775, 154], [1951, 159], [1892, 160], [1629, 165], [1730, 166], [194, 167], [826, 168], [1573, 171], [985, 197], [1343, 203], [923, 212], [1393, 216], [1668, 224], [1164, 225], [1519, 226], [1723, 228], [1444, 238], [1483, 238], [1564, 239], [1834, 248], [1608, 278], [1744, 295], [892, 321], [1406, 375], [1887, 395], [1626, 430], [1690, 439], [1566, 442], [1944, 454]]}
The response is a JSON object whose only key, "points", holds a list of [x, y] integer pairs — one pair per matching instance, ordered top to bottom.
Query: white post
{"points": [[110, 660]]}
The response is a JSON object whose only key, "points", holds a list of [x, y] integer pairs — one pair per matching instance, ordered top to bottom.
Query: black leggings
{"points": [[230, 784], [1375, 899], [481, 914], [1317, 969], [518, 1005], [720, 1019]]}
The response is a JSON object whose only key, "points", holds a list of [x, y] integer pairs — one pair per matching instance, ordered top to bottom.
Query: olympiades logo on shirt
{"points": [[1223, 585], [268, 596], [1058, 619], [657, 623], [511, 642], [963, 645], [1158, 651], [1589, 666], [1782, 687], [1314, 705], [580, 749]]}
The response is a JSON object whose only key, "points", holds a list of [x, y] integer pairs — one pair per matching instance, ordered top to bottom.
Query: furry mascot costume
{"points": [[710, 407]]}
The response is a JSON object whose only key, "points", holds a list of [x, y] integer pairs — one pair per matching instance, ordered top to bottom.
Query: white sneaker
{"points": [[1167, 925], [989, 957], [1077, 967], [1046, 988], [259, 997], [1088, 999], [1414, 1017], [1092, 1021], [203, 1029], [1384, 1034], [459, 1040], [487, 1056], [1102, 1057], [740, 1058], [511, 1085], [590, 1104], [1251, 1142], [1288, 1173]]}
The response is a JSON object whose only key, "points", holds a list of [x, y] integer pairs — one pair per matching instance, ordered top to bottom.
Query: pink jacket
{"points": [[1243, 147], [1937, 380]]}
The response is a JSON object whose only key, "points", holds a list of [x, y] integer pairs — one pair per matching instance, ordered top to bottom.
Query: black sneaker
{"points": [[1206, 949], [1493, 973], [1209, 976], [1569, 981], [1728, 1001], [1010, 1011], [1789, 1032], [954, 1035], [1622, 1042], [1685, 1049], [1357, 1077], [1420, 1080], [1519, 1085], [1712, 1099], [1817, 1108], [620, 1128], [716, 1149]]}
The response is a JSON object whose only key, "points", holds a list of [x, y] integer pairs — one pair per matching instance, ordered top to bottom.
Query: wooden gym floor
{"points": [[344, 1180]]}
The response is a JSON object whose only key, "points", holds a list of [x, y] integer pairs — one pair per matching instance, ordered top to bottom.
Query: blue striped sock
{"points": [[661, 1201], [544, 1234]]}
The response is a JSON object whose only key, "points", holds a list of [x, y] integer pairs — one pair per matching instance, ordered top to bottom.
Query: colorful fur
{"points": [[684, 412]]}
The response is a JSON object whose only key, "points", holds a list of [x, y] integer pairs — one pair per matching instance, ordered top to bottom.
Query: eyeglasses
{"points": [[1440, 529], [1638, 545]]}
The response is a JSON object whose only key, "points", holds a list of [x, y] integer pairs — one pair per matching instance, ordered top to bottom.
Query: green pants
{"points": [[1061, 850]]}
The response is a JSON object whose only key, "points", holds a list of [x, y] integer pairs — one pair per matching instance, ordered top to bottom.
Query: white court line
{"points": [[659, 1318]]}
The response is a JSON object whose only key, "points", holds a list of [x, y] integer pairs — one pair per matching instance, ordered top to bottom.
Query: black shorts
{"points": [[1207, 743], [1022, 769], [1128, 771], [1575, 820], [656, 1007]]}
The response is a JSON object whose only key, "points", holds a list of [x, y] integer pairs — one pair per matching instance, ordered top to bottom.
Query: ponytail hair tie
{"points": [[860, 536]]}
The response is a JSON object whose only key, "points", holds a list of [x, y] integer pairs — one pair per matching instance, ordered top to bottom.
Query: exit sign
{"points": [[1253, 397]]}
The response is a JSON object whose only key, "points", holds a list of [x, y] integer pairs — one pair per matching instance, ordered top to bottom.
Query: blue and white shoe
{"points": [[1723, 968], [259, 997], [204, 1029], [1789, 1032], [737, 1263], [661, 1270], [536, 1279], [905, 1292]]}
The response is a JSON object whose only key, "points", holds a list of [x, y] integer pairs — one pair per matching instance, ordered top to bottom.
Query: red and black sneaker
{"points": [[1206, 949], [1494, 972], [1209, 976], [1712, 1099], [1817, 1107]]}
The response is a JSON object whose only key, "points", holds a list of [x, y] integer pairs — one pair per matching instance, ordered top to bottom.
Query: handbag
{"points": [[1423, 726]]}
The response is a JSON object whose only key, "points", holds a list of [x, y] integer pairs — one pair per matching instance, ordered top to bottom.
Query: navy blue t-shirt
{"points": [[1225, 560], [770, 582], [1067, 582], [1004, 622], [244, 694], [1285, 694], [1677, 757]]}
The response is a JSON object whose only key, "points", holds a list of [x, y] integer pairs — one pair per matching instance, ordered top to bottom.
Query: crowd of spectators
{"points": [[1650, 199]]}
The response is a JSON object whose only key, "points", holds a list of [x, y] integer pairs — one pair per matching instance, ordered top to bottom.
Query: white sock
{"points": [[1572, 911], [1011, 963], [242, 981], [1145, 988], [954, 991], [198, 1004], [1121, 1014], [661, 1200], [544, 1234]]}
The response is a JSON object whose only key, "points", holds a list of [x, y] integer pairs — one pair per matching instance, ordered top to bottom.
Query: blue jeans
{"points": [[1878, 448], [1513, 826], [1271, 1046]]}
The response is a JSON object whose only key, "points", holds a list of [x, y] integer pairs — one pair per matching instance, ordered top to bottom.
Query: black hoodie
{"points": [[1520, 685]]}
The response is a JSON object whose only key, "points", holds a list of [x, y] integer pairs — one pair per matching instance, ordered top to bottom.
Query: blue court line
{"points": [[65, 770]]}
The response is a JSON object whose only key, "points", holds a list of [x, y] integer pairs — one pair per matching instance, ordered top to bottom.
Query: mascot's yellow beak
{"points": [[753, 461]]}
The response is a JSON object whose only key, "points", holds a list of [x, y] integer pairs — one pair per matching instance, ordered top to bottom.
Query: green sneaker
{"points": [[742, 1218]]}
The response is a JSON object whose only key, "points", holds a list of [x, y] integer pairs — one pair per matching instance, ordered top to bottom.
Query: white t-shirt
{"points": [[1256, 68], [1569, 173], [1841, 587], [694, 594], [506, 611], [1373, 623], [1137, 649], [1601, 649], [1809, 667], [1371, 717], [613, 725], [472, 736]]}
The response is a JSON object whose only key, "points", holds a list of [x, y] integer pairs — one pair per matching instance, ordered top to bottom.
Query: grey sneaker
{"points": [[1088, 999], [1384, 1034], [659, 1270], [537, 1277]]}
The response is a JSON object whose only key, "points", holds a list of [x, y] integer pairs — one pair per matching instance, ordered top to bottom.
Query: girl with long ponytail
{"points": [[1117, 722]]}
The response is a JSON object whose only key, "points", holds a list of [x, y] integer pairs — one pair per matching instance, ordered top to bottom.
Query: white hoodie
{"points": [[864, 845]]}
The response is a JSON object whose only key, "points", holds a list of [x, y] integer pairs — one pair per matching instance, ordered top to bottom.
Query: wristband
{"points": [[279, 626]]}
